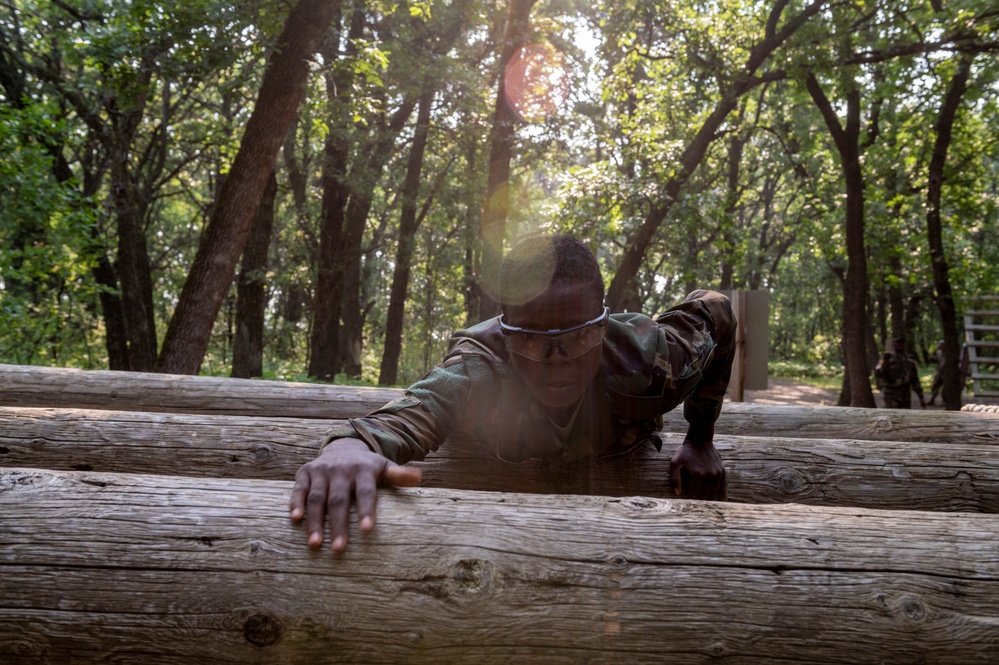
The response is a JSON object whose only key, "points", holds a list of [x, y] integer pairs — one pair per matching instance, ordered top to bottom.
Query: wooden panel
{"points": [[130, 568]]}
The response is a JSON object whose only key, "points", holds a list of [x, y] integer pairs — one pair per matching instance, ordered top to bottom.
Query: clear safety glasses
{"points": [[571, 342]]}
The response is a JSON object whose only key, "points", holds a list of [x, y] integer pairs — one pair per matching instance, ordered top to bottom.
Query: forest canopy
{"points": [[323, 188]]}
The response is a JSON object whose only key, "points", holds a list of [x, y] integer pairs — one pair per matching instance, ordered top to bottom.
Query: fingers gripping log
{"points": [[923, 476], [108, 567]]}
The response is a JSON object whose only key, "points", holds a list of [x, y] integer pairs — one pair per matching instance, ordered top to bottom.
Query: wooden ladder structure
{"points": [[981, 335]]}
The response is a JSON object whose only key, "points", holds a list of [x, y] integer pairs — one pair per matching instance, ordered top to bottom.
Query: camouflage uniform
{"points": [[648, 367], [897, 375]]}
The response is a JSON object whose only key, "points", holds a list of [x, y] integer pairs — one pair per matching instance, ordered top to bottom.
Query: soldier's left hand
{"points": [[696, 472]]}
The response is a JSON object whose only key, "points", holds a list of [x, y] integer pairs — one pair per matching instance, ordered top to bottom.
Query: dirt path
{"points": [[789, 392]]}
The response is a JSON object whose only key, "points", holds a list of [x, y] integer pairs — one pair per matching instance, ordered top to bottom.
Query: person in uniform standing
{"points": [[898, 377]]}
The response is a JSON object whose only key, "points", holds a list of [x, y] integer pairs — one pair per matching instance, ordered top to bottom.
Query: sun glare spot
{"points": [[536, 82]]}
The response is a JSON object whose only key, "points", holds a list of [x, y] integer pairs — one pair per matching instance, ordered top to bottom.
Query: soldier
{"points": [[938, 373], [897, 374], [556, 377]]}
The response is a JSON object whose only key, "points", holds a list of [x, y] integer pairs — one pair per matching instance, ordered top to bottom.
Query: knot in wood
{"points": [[882, 424], [262, 453], [14, 479], [791, 481], [640, 503], [619, 561], [469, 577], [913, 609], [262, 629]]}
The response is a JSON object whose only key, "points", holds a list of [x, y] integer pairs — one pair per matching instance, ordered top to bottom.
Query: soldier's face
{"points": [[558, 381]]}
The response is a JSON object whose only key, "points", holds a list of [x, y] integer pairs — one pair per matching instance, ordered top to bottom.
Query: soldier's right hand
{"points": [[345, 470]]}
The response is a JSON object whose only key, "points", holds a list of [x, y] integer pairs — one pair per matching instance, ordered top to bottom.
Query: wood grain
{"points": [[137, 391], [146, 391], [875, 474], [132, 568]]}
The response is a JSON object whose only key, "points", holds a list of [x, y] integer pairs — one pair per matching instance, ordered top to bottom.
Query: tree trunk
{"points": [[847, 141], [735, 147], [365, 179], [227, 231], [492, 233], [404, 252], [132, 265], [251, 291], [896, 302], [113, 310], [324, 338], [952, 387], [139, 568]]}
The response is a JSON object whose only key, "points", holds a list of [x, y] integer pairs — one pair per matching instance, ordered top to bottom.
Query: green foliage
{"points": [[763, 210], [48, 298], [814, 374]]}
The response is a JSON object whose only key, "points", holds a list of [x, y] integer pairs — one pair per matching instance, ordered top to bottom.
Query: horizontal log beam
{"points": [[137, 391], [147, 391], [822, 422], [885, 474], [130, 568]]}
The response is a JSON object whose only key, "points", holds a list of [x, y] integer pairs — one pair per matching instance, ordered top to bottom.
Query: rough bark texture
{"points": [[847, 140], [364, 179], [934, 230], [225, 235], [404, 252], [132, 263], [251, 291], [324, 338], [138, 391], [888, 474], [108, 567]]}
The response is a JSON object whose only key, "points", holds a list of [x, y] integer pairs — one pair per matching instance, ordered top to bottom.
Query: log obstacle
{"points": [[137, 391], [147, 391], [856, 423], [874, 474], [136, 568]]}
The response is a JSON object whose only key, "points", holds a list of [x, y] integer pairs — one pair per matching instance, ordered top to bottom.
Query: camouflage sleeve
{"points": [[702, 335], [408, 428]]}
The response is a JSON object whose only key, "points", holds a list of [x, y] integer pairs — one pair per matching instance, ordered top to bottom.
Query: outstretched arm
{"points": [[696, 470]]}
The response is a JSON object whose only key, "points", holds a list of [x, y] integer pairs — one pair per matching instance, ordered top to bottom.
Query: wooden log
{"points": [[136, 391], [146, 391], [822, 422], [885, 474], [132, 568]]}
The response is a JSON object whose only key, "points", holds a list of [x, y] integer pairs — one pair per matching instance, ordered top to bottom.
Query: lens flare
{"points": [[536, 82]]}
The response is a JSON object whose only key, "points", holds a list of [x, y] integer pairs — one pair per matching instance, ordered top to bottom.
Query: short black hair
{"points": [[542, 261]]}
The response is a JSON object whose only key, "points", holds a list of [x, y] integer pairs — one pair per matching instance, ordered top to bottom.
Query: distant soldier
{"points": [[897, 374], [938, 374]]}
